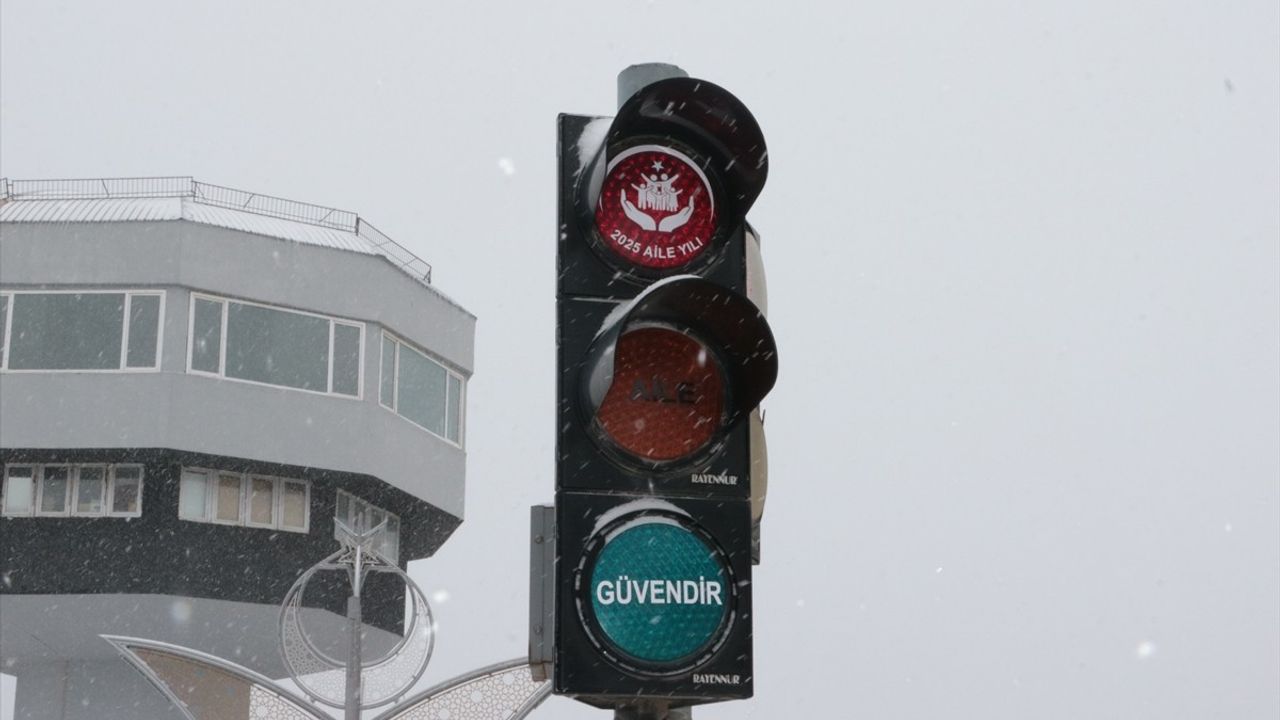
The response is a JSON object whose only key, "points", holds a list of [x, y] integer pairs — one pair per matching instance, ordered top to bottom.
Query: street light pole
{"points": [[354, 622]]}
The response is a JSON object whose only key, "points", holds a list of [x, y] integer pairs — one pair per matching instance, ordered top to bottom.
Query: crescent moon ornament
{"points": [[325, 678]]}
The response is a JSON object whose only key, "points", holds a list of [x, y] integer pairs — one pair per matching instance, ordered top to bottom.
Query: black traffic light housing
{"points": [[661, 357]]}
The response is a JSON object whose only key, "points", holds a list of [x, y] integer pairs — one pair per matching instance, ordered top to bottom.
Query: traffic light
{"points": [[661, 360]]}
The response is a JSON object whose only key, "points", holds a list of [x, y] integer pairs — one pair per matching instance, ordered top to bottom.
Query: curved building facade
{"points": [[195, 382]]}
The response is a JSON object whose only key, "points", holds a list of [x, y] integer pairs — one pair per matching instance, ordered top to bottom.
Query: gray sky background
{"points": [[1024, 267]]}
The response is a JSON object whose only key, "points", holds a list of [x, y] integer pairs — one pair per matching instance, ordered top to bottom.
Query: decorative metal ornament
{"points": [[352, 684], [205, 687], [505, 691]]}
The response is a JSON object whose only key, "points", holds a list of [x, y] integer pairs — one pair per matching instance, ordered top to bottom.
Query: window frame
{"points": [[7, 296], [224, 304], [333, 341], [397, 344], [6, 351], [211, 478], [4, 489], [111, 489], [73, 490], [67, 493], [105, 496], [213, 498], [277, 500], [306, 505], [205, 507]]}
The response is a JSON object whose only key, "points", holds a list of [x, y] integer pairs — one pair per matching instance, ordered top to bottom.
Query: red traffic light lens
{"points": [[656, 208], [667, 398]]}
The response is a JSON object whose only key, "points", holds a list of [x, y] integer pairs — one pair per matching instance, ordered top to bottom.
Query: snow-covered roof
{"points": [[183, 198], [178, 208]]}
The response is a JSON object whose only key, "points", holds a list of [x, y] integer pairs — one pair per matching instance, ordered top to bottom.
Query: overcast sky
{"points": [[1024, 274]]}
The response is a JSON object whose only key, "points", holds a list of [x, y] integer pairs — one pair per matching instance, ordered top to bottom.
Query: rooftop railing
{"points": [[218, 196]]}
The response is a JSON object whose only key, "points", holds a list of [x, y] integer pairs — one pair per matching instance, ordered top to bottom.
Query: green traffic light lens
{"points": [[660, 593]]}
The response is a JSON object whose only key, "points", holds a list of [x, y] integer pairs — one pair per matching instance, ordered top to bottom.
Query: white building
{"points": [[194, 382]]}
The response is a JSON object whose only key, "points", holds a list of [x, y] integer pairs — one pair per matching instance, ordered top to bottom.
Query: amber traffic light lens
{"points": [[656, 209], [667, 398]]}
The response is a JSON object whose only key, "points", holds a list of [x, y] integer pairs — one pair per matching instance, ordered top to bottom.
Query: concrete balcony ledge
{"points": [[198, 413]]}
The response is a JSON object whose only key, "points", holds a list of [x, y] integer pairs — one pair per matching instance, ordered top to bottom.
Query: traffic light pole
{"points": [[634, 77], [630, 80], [650, 710]]}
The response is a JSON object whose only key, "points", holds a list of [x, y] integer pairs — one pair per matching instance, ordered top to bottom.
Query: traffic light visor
{"points": [[704, 116]]}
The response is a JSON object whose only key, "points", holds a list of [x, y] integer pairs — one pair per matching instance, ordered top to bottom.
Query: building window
{"points": [[4, 328], [86, 330], [268, 345], [421, 390], [53, 489], [19, 490], [73, 490], [126, 490], [91, 491], [232, 498], [358, 514]]}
